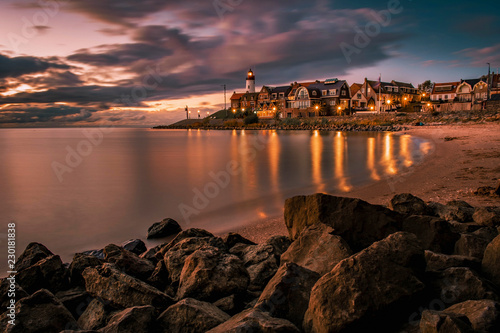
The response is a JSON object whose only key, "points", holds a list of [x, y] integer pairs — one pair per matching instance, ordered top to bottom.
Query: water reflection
{"points": [[316, 147], [340, 151], [370, 159]]}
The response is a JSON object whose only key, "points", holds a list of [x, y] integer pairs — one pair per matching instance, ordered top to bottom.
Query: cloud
{"points": [[41, 28], [479, 57], [18, 66]]}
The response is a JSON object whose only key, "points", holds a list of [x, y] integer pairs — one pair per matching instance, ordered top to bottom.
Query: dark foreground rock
{"points": [[408, 204], [355, 220], [165, 228], [136, 246], [491, 260], [372, 287], [122, 290], [40, 312], [483, 315], [191, 316], [139, 319], [254, 320], [440, 322]]}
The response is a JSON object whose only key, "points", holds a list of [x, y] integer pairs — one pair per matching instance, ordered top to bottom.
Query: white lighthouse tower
{"points": [[250, 81]]}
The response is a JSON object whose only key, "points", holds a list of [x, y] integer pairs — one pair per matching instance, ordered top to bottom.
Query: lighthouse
{"points": [[250, 81]]}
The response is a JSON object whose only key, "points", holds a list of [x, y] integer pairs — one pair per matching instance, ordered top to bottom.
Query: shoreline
{"points": [[468, 158]]}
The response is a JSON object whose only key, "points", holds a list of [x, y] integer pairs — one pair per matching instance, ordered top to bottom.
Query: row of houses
{"points": [[334, 96]]}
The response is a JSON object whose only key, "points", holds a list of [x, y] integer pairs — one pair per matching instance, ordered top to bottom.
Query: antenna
{"points": [[225, 108]]}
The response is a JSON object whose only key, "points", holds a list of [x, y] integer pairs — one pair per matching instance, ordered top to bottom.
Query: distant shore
{"points": [[466, 156]]}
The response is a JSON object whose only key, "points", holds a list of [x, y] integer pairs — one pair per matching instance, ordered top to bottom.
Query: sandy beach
{"points": [[465, 157]]}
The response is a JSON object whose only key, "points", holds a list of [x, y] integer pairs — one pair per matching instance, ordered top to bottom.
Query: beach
{"points": [[465, 157]]}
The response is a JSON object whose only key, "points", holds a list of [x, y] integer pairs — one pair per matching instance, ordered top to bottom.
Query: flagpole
{"points": [[379, 101]]}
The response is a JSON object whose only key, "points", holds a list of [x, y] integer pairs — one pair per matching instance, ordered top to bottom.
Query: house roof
{"points": [[472, 82], [403, 84], [355, 87], [439, 88], [281, 89], [237, 95]]}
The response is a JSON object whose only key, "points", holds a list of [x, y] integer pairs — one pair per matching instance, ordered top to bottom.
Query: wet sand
{"points": [[465, 157]]}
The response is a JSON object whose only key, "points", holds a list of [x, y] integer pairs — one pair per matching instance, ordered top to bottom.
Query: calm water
{"points": [[117, 186]]}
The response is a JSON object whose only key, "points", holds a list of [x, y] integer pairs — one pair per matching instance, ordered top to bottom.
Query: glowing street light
{"points": [[388, 101], [317, 107], [234, 110]]}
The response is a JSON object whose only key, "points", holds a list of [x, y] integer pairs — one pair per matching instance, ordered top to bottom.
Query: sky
{"points": [[139, 63]]}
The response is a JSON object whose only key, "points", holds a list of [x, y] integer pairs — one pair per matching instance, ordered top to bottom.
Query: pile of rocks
{"points": [[348, 266]]}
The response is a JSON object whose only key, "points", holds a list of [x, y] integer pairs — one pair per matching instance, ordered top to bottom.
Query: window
{"points": [[369, 90], [324, 92], [333, 92], [343, 92], [314, 93], [282, 94], [274, 95], [359, 96], [332, 102], [311, 114], [289, 115]]}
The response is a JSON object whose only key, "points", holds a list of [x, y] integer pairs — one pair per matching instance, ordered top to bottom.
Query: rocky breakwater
{"points": [[347, 266]]}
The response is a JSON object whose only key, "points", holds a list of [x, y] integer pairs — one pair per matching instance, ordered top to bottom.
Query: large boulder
{"points": [[408, 204], [457, 210], [486, 217], [355, 220], [165, 228], [188, 233], [434, 233], [232, 238], [279, 243], [475, 243], [136, 246], [317, 249], [33, 253], [176, 256], [491, 260], [128, 262], [439, 262], [261, 263], [78, 265], [48, 273], [209, 274], [159, 278], [459, 284], [8, 286], [373, 287], [122, 290], [287, 294], [75, 300], [40, 312], [95, 315], [484, 315], [191, 316], [138, 319], [254, 320], [440, 322]]}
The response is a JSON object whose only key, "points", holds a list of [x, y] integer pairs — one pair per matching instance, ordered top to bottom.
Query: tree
{"points": [[426, 86]]}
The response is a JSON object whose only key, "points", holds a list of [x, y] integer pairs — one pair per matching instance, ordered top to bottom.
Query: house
{"points": [[495, 84], [444, 92], [407, 93], [381, 95], [318, 98], [236, 100], [272, 100], [358, 100], [249, 101]]}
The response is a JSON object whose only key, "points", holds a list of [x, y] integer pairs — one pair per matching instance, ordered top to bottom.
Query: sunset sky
{"points": [[138, 63]]}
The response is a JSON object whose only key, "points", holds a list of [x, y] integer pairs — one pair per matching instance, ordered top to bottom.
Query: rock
{"points": [[484, 190], [408, 204], [435, 208], [457, 210], [486, 217], [355, 220], [463, 227], [165, 228], [188, 233], [434, 233], [232, 238], [279, 243], [474, 245], [136, 246], [239, 249], [317, 249], [33, 253], [99, 254], [153, 254], [175, 257], [491, 258], [128, 262], [439, 262], [261, 263], [78, 265], [48, 273], [209, 274], [159, 278], [460, 284], [7, 286], [373, 287], [122, 290], [287, 294], [75, 300], [229, 304], [40, 312], [95, 315], [484, 315], [191, 316], [138, 319], [254, 320], [439, 322]]}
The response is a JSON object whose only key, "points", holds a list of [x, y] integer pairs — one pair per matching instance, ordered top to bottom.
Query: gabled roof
{"points": [[472, 82], [403, 84], [355, 87], [438, 88], [281, 89], [237, 96]]}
